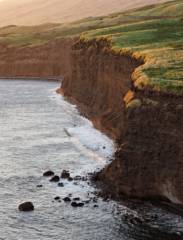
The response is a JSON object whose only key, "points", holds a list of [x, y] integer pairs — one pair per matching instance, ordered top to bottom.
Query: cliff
{"points": [[47, 60], [147, 124]]}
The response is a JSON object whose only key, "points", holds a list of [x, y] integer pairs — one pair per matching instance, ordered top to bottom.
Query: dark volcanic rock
{"points": [[48, 173], [65, 174], [77, 178], [55, 179], [70, 179], [60, 184], [39, 185], [57, 198], [66, 199], [76, 199], [74, 204], [80, 204], [27, 206], [95, 206]]}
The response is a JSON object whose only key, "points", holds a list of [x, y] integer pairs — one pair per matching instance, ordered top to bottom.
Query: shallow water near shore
{"points": [[40, 131]]}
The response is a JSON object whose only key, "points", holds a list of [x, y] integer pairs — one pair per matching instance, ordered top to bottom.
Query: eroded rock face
{"points": [[44, 61], [150, 155], [148, 162], [27, 206]]}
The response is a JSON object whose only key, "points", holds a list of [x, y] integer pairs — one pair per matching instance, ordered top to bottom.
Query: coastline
{"points": [[147, 124]]}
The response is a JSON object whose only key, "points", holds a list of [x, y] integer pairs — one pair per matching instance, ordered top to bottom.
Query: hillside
{"points": [[34, 12]]}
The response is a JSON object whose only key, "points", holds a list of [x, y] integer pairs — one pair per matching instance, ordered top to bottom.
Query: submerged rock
{"points": [[48, 173], [65, 174], [76, 178], [55, 179], [70, 179], [60, 184], [57, 198], [75, 204], [26, 206]]}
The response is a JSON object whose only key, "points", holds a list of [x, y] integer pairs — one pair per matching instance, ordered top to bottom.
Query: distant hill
{"points": [[33, 12]]}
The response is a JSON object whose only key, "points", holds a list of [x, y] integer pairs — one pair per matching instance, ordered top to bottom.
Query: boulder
{"points": [[48, 173], [65, 174], [55, 179], [70, 179], [39, 185], [57, 198], [66, 199], [76, 199], [74, 204], [80, 204], [26, 206]]}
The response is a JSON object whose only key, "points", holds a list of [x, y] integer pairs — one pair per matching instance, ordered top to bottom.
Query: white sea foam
{"points": [[92, 142]]}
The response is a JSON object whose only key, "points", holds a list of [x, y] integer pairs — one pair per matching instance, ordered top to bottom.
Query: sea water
{"points": [[40, 131]]}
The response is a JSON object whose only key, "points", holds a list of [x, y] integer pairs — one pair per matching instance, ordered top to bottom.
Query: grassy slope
{"points": [[153, 32], [159, 42]]}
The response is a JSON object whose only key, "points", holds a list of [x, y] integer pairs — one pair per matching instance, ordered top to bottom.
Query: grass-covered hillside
{"points": [[154, 33]]}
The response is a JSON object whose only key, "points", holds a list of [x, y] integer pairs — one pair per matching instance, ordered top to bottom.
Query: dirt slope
{"points": [[33, 12]]}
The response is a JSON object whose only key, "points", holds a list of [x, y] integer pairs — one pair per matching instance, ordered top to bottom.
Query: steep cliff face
{"points": [[47, 60], [100, 79], [147, 125], [149, 161]]}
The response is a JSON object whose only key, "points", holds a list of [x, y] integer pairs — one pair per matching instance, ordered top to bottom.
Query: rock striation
{"points": [[49, 60]]}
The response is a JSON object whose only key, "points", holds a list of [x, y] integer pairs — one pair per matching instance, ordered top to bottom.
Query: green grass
{"points": [[154, 33]]}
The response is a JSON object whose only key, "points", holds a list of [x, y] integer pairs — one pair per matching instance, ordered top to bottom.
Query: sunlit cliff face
{"points": [[33, 12]]}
